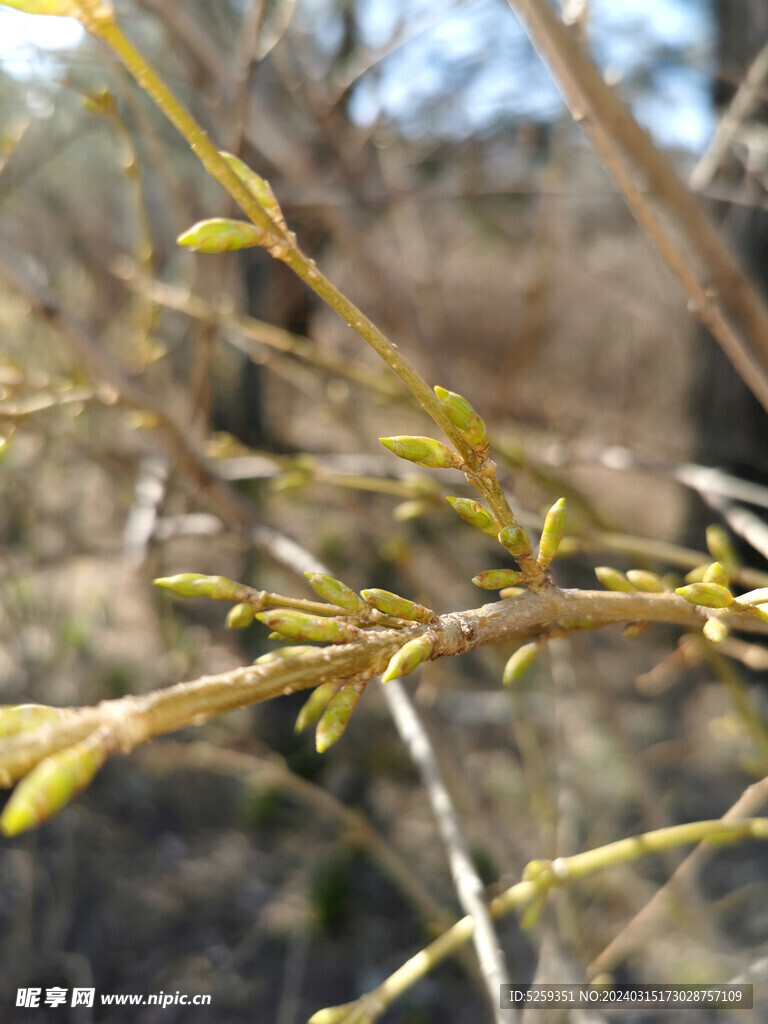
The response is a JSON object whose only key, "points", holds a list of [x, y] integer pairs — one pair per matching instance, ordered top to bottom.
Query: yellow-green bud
{"points": [[258, 187], [220, 234], [462, 415], [424, 451], [472, 512], [552, 534], [515, 540], [720, 545], [716, 574], [696, 575], [497, 579], [612, 579], [647, 582], [194, 584], [335, 592], [508, 592], [710, 595], [399, 607], [240, 616], [298, 625], [715, 631], [282, 653], [409, 657], [520, 662], [315, 705], [337, 714], [16, 718], [52, 783], [535, 869]]}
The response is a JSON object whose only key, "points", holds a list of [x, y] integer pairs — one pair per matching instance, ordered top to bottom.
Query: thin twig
{"points": [[741, 106], [727, 297], [469, 888]]}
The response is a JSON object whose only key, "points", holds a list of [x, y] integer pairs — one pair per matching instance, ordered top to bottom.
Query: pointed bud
{"points": [[258, 187], [220, 234], [462, 415], [424, 451], [472, 512], [552, 534], [515, 540], [720, 545], [716, 574], [696, 575], [497, 579], [612, 579], [647, 582], [194, 584], [335, 592], [508, 592], [710, 595], [753, 597], [399, 607], [240, 616], [299, 626], [715, 631], [282, 653], [409, 657], [520, 662], [315, 705], [23, 717], [334, 719], [52, 783]]}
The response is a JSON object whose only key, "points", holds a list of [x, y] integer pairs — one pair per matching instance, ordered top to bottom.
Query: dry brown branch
{"points": [[719, 292]]}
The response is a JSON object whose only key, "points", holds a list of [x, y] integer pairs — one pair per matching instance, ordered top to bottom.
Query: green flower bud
{"points": [[258, 187], [220, 234], [462, 415], [424, 451], [472, 512], [552, 534], [515, 540], [720, 545], [716, 574], [696, 575], [496, 579], [612, 579], [647, 582], [194, 584], [335, 592], [508, 592], [710, 595], [399, 607], [240, 616], [298, 625], [715, 631], [282, 653], [409, 657], [520, 662], [315, 705], [337, 714], [17, 718], [52, 783], [534, 869]]}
